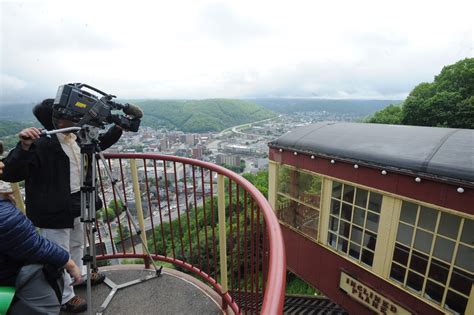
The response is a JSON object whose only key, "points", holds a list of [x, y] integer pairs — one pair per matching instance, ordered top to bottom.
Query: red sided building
{"points": [[379, 218]]}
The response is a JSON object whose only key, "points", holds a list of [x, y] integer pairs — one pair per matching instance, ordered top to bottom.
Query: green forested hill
{"points": [[185, 115], [201, 115], [8, 127], [9, 130]]}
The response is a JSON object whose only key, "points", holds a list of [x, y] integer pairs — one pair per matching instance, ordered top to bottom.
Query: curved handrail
{"points": [[275, 288]]}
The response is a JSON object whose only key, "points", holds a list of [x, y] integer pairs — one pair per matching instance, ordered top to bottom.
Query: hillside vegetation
{"points": [[448, 101], [347, 106], [201, 115], [188, 116], [8, 127], [8, 132]]}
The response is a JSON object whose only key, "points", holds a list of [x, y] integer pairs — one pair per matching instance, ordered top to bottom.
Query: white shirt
{"points": [[72, 150]]}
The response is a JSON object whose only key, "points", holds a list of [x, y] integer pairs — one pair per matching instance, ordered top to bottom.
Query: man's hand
{"points": [[28, 136], [1, 167], [74, 271]]}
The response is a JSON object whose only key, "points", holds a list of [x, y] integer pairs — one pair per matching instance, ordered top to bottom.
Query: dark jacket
{"points": [[45, 169], [20, 245]]}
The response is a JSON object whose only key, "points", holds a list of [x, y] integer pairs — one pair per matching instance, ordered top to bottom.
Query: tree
{"points": [[446, 102], [391, 114], [259, 180], [109, 212]]}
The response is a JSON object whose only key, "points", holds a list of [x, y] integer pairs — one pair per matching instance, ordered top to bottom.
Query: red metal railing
{"points": [[194, 196]]}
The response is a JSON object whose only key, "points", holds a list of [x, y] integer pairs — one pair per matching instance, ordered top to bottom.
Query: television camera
{"points": [[74, 103]]}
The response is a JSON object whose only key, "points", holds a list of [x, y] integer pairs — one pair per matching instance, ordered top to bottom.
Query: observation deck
{"points": [[216, 234], [173, 292]]}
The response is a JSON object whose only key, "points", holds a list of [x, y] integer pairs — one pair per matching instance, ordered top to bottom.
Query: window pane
{"points": [[284, 180], [300, 185], [303, 185], [309, 188], [315, 189], [336, 190], [348, 194], [361, 198], [375, 202], [335, 207], [285, 208], [346, 212], [408, 213], [359, 216], [427, 218], [310, 221], [372, 222], [333, 224], [449, 225], [344, 228], [357, 229], [404, 234], [356, 235], [467, 235], [332, 240], [369, 240], [423, 241], [342, 245], [444, 249], [354, 250], [401, 254], [367, 257], [465, 258], [418, 262], [438, 271], [397, 272], [414, 281], [461, 281], [434, 292], [455, 302]]}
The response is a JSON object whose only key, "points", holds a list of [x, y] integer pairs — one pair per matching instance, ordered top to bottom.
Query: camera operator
{"points": [[50, 167], [30, 262]]}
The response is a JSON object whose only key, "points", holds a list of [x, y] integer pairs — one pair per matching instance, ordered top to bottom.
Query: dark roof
{"points": [[443, 152]]}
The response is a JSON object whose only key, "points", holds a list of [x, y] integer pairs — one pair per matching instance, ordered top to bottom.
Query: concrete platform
{"points": [[172, 293]]}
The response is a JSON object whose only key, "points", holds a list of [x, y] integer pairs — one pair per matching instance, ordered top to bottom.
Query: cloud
{"points": [[223, 24], [217, 48], [10, 83]]}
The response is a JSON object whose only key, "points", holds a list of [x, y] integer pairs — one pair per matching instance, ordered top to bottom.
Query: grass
{"points": [[296, 286]]}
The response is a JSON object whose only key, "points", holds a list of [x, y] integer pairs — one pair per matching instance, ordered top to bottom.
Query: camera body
{"points": [[74, 103]]}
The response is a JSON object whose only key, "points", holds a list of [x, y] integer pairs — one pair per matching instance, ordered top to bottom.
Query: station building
{"points": [[379, 218]]}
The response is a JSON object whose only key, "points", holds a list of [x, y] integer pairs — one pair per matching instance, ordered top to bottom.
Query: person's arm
{"points": [[110, 137], [18, 160], [20, 241]]}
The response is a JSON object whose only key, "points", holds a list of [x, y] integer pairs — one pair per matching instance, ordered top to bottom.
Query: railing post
{"points": [[272, 184], [18, 197], [138, 204], [222, 233]]}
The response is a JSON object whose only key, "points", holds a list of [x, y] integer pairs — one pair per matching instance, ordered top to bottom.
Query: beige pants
{"points": [[72, 240]]}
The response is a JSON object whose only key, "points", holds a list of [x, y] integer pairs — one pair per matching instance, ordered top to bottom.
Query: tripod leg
{"points": [[88, 218]]}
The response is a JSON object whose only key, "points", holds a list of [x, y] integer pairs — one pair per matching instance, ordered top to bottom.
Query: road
{"points": [[234, 128]]}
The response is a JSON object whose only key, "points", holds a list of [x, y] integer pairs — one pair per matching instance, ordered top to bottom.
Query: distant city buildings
{"points": [[230, 147], [197, 153], [232, 160]]}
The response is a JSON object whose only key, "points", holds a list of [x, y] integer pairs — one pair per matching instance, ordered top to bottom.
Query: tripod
{"points": [[89, 144]]}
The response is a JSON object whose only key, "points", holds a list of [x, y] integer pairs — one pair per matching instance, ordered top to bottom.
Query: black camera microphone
{"points": [[132, 110]]}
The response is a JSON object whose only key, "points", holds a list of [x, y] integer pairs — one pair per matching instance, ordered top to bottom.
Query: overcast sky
{"points": [[233, 49]]}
